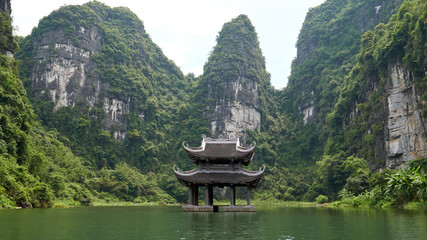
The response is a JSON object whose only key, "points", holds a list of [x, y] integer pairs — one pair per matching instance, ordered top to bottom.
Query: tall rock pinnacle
{"points": [[233, 76]]}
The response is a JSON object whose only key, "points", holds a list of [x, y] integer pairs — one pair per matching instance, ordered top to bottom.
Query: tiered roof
{"points": [[220, 151], [219, 162], [242, 177]]}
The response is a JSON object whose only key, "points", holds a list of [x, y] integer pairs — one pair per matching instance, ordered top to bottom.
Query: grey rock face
{"points": [[5, 7], [62, 66], [64, 69], [233, 76], [236, 109], [309, 110], [405, 129]]}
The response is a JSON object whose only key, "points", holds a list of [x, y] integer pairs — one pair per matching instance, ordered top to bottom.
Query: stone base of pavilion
{"points": [[197, 208], [219, 208], [240, 208]]}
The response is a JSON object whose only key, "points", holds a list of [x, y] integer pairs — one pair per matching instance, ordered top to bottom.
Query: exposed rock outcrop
{"points": [[5, 6], [330, 36], [62, 60], [64, 68], [337, 71], [233, 76], [233, 113], [405, 129]]}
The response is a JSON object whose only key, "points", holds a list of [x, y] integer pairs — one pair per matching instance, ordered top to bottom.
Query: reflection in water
{"points": [[170, 223], [223, 225]]}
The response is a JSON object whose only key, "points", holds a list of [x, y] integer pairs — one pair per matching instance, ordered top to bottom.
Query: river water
{"points": [[171, 223]]}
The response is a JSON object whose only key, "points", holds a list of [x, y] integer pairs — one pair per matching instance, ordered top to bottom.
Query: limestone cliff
{"points": [[327, 45], [399, 51], [100, 57], [62, 66], [234, 78], [382, 108], [395, 118], [405, 128]]}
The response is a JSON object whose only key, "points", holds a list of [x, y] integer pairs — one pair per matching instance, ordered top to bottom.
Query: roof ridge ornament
{"points": [[175, 168]]}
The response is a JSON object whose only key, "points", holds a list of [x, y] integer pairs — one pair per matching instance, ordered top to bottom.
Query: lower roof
{"points": [[242, 177]]}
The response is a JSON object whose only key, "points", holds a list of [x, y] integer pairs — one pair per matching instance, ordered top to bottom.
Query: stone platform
{"points": [[219, 208], [242, 208]]}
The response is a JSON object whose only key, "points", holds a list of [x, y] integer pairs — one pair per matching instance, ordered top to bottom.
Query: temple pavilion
{"points": [[219, 164]]}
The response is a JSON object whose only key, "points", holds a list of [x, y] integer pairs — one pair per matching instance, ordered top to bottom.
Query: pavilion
{"points": [[219, 163]]}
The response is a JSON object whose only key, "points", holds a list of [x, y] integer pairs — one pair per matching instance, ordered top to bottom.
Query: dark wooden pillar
{"points": [[210, 189], [190, 195], [193, 195], [196, 195], [209, 195], [232, 195], [249, 197]]}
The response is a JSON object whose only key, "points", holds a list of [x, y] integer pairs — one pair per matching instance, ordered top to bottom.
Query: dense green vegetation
{"points": [[6, 38], [402, 39], [327, 47], [137, 72], [336, 136], [71, 155], [33, 164], [36, 169], [387, 188]]}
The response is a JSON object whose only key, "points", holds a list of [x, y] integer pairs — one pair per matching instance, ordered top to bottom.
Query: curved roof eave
{"points": [[244, 149], [241, 178]]}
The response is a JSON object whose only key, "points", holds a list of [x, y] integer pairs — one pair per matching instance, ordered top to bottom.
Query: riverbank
{"points": [[100, 203], [263, 203], [355, 204]]}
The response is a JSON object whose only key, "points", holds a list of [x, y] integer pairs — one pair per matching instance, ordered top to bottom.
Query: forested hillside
{"points": [[327, 47], [96, 76], [368, 108], [107, 111], [380, 112], [305, 131], [32, 162], [36, 168]]}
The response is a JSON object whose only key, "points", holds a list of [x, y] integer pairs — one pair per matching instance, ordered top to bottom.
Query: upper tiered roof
{"points": [[220, 151], [219, 162]]}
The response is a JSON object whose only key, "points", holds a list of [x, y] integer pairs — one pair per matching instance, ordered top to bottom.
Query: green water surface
{"points": [[171, 223]]}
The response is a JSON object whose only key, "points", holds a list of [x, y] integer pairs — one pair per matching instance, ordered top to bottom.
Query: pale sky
{"points": [[186, 29]]}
